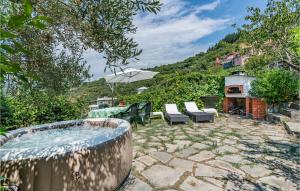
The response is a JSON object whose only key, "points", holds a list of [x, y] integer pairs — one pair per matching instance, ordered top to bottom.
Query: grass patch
{"points": [[256, 123], [213, 132], [233, 133], [172, 138], [145, 146], [213, 146], [218, 153], [227, 153], [236, 165]]}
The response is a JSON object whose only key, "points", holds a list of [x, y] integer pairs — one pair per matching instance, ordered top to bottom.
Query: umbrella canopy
{"points": [[129, 75]]}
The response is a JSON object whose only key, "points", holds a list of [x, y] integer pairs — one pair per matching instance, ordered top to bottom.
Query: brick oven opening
{"points": [[234, 90], [237, 106]]}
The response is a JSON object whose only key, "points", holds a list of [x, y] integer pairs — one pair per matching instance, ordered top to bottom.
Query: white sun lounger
{"points": [[196, 114], [173, 115]]}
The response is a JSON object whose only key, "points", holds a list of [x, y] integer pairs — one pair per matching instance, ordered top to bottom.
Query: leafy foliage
{"points": [[13, 17], [104, 26], [271, 32], [42, 43], [203, 63], [257, 64], [276, 86], [179, 89], [36, 108]]}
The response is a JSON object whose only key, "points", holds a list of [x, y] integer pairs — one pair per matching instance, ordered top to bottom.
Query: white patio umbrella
{"points": [[127, 76]]}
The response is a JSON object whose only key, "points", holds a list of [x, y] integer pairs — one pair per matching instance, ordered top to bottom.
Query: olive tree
{"points": [[105, 26], [43, 41]]}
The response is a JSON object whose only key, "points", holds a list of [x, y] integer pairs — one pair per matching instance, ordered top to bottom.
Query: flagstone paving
{"points": [[229, 154]]}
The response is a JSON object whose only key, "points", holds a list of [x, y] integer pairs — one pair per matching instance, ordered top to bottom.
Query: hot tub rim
{"points": [[64, 124]]}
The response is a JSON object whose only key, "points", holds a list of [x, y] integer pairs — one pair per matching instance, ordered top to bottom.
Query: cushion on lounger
{"points": [[191, 107], [172, 109], [211, 110]]}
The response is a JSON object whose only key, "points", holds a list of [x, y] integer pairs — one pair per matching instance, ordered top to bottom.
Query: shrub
{"points": [[276, 86], [179, 89], [36, 108]]}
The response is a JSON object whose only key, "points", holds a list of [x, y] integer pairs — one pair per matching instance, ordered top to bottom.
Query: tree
{"points": [[15, 17], [105, 26], [271, 32], [29, 54], [52, 55], [256, 64], [55, 70], [276, 86]]}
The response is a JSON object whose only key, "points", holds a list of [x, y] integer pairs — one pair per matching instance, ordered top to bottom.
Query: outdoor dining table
{"points": [[106, 112]]}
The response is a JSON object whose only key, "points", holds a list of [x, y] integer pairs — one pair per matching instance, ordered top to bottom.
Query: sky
{"points": [[181, 29]]}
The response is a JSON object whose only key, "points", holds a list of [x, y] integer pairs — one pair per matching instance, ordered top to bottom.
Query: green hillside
{"points": [[186, 80]]}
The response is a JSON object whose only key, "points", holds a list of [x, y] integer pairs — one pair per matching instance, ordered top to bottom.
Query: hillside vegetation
{"points": [[182, 81]]}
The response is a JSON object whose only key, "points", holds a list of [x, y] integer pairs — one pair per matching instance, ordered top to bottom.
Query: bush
{"points": [[276, 86], [179, 89], [37, 108]]}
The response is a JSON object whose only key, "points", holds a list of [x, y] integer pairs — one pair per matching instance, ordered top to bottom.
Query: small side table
{"points": [[158, 113]]}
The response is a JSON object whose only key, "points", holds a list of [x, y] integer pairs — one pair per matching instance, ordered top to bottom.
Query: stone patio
{"points": [[229, 154]]}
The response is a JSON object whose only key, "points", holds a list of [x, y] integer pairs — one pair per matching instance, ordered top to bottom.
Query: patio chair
{"points": [[144, 112], [130, 114], [173, 115], [197, 115]]}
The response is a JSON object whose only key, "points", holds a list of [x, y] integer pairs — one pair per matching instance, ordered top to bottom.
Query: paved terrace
{"points": [[229, 154]]}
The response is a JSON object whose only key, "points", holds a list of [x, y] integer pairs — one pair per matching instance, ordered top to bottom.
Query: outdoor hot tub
{"points": [[91, 154]]}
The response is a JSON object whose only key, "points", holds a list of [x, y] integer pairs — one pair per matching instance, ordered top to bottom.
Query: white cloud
{"points": [[208, 7], [170, 35]]}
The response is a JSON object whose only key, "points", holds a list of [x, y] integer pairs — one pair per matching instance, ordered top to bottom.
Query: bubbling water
{"points": [[53, 141]]}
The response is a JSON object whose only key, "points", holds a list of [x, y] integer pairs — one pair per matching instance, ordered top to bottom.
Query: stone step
{"points": [[295, 105], [292, 113], [295, 115], [277, 117], [292, 127]]}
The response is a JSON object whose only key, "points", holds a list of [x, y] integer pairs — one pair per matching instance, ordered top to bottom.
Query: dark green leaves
{"points": [[27, 8], [17, 18], [16, 21], [38, 24], [6, 34], [7, 48], [276, 86], [2, 132]]}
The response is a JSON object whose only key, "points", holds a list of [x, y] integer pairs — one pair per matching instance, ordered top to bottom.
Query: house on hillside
{"points": [[231, 60], [280, 65], [106, 100], [238, 100]]}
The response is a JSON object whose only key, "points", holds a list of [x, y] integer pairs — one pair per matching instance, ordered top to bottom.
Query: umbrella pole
{"points": [[113, 94]]}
